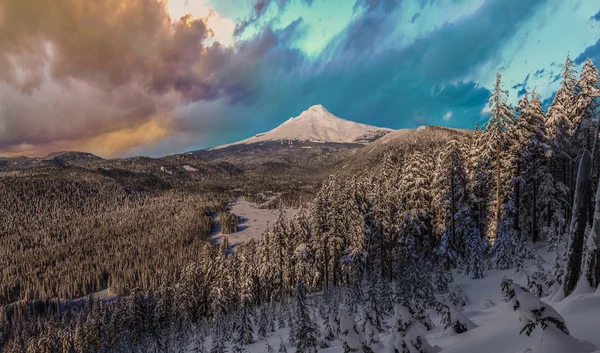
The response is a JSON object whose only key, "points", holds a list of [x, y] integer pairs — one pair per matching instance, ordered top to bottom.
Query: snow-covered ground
{"points": [[253, 221], [498, 325]]}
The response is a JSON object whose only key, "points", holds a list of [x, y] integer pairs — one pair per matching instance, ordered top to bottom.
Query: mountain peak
{"points": [[318, 108], [317, 124]]}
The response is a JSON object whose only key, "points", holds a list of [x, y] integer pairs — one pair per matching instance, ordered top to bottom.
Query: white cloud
{"points": [[222, 27], [448, 115]]}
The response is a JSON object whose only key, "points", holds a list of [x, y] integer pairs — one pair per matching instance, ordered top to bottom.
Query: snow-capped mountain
{"points": [[317, 124]]}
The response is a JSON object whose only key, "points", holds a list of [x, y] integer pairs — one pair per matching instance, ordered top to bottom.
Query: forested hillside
{"points": [[375, 252]]}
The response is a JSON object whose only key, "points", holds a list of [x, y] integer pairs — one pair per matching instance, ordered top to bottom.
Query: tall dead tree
{"points": [[578, 224]]}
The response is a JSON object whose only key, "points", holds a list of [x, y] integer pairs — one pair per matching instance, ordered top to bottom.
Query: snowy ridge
{"points": [[317, 124]]}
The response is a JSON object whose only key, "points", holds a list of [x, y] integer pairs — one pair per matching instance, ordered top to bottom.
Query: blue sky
{"points": [[394, 63], [155, 77]]}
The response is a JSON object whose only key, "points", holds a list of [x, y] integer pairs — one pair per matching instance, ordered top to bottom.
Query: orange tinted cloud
{"points": [[82, 74], [110, 144]]}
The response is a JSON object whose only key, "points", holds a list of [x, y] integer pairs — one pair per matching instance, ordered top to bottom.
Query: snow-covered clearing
{"points": [[253, 221]]}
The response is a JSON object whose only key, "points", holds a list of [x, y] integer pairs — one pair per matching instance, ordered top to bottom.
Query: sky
{"points": [[155, 77]]}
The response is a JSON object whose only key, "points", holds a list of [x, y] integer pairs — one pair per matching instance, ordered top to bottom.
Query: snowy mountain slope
{"points": [[317, 124], [497, 324]]}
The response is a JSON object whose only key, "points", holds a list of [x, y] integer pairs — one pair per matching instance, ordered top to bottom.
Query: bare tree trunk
{"points": [[498, 189], [517, 191], [453, 205], [578, 224], [534, 225], [325, 264], [593, 269]]}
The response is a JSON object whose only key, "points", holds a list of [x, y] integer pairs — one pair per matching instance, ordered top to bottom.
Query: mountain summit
{"points": [[317, 124]]}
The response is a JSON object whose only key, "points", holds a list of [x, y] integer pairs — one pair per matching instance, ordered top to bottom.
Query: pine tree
{"points": [[587, 91], [560, 111], [496, 141], [531, 146], [415, 187], [451, 198], [505, 243], [475, 254], [534, 313], [453, 319], [263, 322], [244, 327], [305, 332], [350, 334], [218, 340], [199, 341], [268, 348], [282, 348]]}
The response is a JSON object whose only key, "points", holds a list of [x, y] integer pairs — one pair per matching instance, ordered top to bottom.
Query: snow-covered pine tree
{"points": [[587, 91], [561, 110], [496, 142], [532, 144], [479, 172], [415, 188], [451, 201], [475, 250], [503, 251], [441, 277], [539, 282], [457, 297], [373, 308], [532, 310], [534, 313], [453, 319], [263, 322], [331, 326], [244, 329], [305, 331], [369, 331], [350, 334], [408, 334], [218, 340], [199, 344], [268, 347], [282, 348]]}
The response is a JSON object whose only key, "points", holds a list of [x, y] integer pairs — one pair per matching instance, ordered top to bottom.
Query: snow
{"points": [[317, 125], [254, 221], [497, 324]]}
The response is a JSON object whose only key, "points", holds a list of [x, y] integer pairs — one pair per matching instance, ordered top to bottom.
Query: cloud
{"points": [[260, 8], [596, 17], [592, 52], [107, 68], [74, 69], [358, 77], [522, 86], [448, 116]]}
